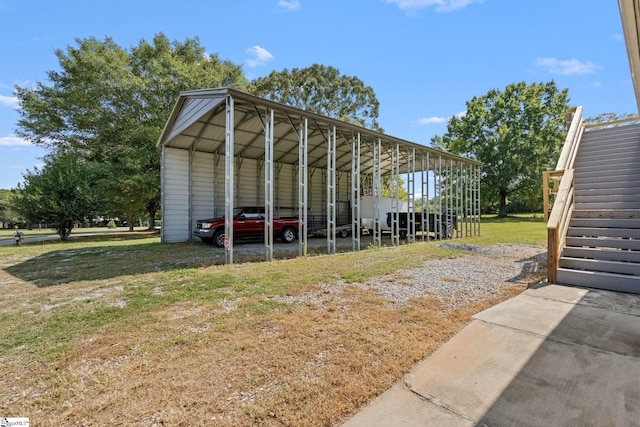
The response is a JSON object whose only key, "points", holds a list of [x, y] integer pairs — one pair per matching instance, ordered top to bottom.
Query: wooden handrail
{"points": [[563, 205], [559, 223]]}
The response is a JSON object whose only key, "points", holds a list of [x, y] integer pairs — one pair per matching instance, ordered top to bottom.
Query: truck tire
{"points": [[343, 232], [288, 235], [218, 238]]}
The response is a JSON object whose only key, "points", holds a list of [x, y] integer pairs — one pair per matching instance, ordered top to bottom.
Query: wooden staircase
{"points": [[602, 248]]}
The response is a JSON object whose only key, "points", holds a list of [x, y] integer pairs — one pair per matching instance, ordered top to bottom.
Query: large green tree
{"points": [[322, 90], [112, 104], [517, 133], [60, 194], [8, 215]]}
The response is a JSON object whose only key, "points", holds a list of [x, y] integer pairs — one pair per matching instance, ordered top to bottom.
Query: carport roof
{"points": [[198, 122]]}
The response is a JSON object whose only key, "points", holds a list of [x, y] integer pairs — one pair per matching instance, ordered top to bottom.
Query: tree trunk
{"points": [[152, 208], [502, 212], [64, 230]]}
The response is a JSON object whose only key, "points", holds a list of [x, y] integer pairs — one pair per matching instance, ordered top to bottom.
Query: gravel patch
{"points": [[483, 273]]}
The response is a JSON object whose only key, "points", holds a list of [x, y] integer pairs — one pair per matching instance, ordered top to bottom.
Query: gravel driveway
{"points": [[478, 274]]}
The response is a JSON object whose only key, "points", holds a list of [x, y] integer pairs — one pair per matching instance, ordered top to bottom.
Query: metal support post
{"points": [[229, 155], [190, 184], [268, 186], [376, 186], [302, 188], [411, 189], [331, 191], [355, 193], [395, 196], [425, 197]]}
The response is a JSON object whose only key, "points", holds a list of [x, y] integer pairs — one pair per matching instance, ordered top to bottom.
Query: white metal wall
{"points": [[202, 187], [175, 195], [204, 198]]}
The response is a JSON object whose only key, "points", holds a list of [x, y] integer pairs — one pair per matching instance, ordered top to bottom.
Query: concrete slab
{"points": [[596, 325], [553, 355], [469, 373], [399, 406]]}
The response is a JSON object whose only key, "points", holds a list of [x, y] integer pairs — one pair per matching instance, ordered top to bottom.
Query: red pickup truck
{"points": [[247, 222]]}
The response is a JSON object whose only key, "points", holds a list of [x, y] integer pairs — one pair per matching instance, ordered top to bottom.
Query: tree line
{"points": [[101, 114]]}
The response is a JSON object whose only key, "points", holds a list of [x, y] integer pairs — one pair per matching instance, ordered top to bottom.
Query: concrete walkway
{"points": [[551, 356]]}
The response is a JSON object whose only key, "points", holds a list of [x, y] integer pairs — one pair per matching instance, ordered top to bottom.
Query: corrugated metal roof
{"points": [[198, 121]]}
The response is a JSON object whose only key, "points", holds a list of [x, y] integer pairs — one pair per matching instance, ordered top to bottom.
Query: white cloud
{"points": [[289, 4], [440, 5], [618, 37], [258, 56], [566, 67], [596, 84], [9, 101], [461, 114], [430, 121], [13, 141]]}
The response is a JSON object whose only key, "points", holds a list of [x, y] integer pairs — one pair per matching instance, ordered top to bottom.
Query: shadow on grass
{"points": [[112, 255]]}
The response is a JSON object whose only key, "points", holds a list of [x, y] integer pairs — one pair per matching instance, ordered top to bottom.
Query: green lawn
{"points": [[523, 228], [7, 234]]}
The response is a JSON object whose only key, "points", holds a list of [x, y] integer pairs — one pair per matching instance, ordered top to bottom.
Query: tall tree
{"points": [[323, 90], [112, 103], [517, 133], [60, 194], [7, 214]]}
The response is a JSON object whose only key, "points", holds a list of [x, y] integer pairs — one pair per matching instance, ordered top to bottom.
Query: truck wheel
{"points": [[344, 232], [288, 235], [218, 238], [207, 240]]}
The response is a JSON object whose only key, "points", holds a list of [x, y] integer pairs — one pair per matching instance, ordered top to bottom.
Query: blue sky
{"points": [[423, 58]]}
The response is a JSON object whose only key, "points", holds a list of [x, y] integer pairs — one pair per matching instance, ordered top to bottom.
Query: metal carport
{"points": [[222, 148]]}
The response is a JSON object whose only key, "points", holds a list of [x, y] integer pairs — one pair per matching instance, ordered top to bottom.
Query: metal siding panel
{"points": [[249, 189], [285, 191], [176, 195], [202, 197], [316, 199], [343, 211]]}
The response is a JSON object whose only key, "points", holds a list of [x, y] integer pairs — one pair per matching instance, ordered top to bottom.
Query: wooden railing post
{"points": [[562, 209]]}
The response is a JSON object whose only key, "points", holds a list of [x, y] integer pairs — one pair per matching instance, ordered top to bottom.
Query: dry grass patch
{"points": [[294, 343]]}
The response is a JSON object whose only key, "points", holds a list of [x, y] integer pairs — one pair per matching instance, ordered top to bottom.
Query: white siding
{"points": [[249, 190], [202, 191], [175, 195]]}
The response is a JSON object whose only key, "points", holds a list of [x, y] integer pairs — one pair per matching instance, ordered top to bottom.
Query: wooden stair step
{"points": [[607, 175], [630, 191], [602, 196], [615, 205], [607, 213], [605, 222], [630, 233], [604, 242], [602, 254], [605, 266], [609, 281]]}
